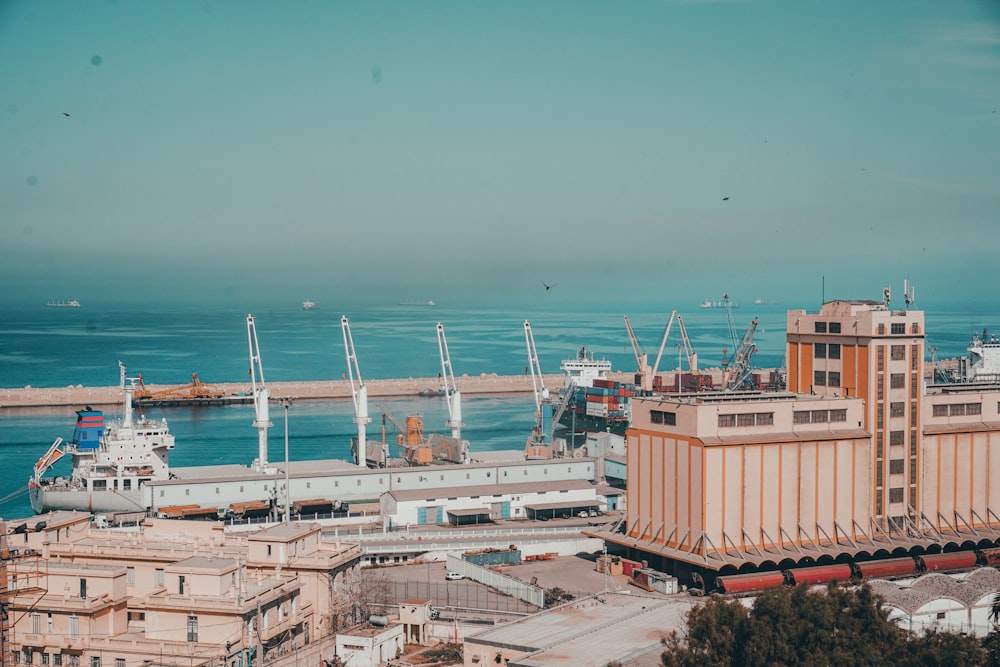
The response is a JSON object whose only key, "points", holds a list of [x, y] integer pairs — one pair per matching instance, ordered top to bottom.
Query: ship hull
{"points": [[593, 424]]}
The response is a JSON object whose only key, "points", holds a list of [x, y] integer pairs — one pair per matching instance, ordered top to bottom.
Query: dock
{"points": [[486, 384]]}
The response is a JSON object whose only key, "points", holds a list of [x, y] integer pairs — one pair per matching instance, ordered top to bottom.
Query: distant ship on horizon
{"points": [[429, 302], [63, 304], [309, 305]]}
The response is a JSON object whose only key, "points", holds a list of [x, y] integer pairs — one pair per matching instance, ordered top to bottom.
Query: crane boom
{"points": [[663, 343], [689, 353], [640, 356], [741, 368], [359, 393], [452, 398], [262, 420]]}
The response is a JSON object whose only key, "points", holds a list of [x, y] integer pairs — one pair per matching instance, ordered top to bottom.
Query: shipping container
{"points": [[494, 557], [991, 557]]}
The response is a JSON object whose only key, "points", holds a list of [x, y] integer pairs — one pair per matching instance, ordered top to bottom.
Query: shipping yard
{"points": [[465, 531]]}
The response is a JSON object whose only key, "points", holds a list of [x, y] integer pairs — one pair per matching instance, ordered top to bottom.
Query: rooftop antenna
{"points": [[907, 293], [822, 294], [886, 295]]}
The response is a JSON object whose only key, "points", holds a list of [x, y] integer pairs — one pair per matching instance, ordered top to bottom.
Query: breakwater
{"points": [[479, 385]]}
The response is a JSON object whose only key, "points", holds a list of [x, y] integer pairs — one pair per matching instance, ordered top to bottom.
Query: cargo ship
{"points": [[590, 402], [112, 463]]}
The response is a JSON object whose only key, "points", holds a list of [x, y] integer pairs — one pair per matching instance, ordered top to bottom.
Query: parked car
{"points": [[594, 513], [582, 515], [454, 576]]}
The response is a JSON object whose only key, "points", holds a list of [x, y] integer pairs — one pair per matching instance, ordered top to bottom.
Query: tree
{"points": [[807, 627]]}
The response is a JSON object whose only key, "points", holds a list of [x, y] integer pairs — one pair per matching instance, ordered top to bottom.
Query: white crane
{"points": [[689, 353], [646, 372], [740, 375], [538, 385], [359, 392], [452, 397], [262, 420]]}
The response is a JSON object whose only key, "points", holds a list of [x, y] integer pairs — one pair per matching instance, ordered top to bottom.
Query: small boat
{"points": [[63, 304], [309, 305]]}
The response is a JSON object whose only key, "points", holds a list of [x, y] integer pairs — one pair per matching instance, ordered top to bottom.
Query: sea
{"points": [[59, 347]]}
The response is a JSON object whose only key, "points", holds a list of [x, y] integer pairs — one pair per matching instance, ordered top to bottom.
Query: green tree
{"points": [[806, 627]]}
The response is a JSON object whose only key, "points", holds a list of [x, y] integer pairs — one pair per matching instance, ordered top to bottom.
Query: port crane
{"points": [[647, 373], [740, 374], [194, 390], [359, 393], [261, 394], [452, 397], [537, 446]]}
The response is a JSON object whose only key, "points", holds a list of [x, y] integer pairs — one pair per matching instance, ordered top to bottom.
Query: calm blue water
{"points": [[56, 347]]}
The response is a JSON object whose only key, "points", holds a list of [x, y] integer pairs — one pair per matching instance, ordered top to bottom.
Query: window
{"points": [[820, 327], [834, 327], [897, 328], [833, 350], [819, 351], [897, 352], [880, 355], [914, 357], [819, 378], [833, 378], [897, 380], [880, 388], [973, 408], [897, 409], [957, 410], [940, 411], [838, 415], [819, 416], [661, 417], [800, 417], [744, 419], [727, 420], [895, 438], [879, 444], [897, 466], [878, 475], [896, 495], [130, 576], [159, 576], [180, 584], [83, 589], [48, 622], [36, 623], [74, 626], [192, 634], [45, 660], [57, 660], [74, 660], [95, 661], [119, 662]]}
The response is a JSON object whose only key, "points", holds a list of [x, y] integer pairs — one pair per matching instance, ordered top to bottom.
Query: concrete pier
{"points": [[479, 385]]}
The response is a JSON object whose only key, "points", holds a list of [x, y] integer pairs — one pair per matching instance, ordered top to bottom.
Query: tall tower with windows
{"points": [[867, 350]]}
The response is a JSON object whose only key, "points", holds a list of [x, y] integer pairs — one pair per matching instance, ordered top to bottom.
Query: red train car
{"points": [[991, 557], [948, 562], [887, 568], [821, 574], [750, 582]]}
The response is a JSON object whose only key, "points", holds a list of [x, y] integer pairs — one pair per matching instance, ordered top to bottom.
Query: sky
{"points": [[669, 150]]}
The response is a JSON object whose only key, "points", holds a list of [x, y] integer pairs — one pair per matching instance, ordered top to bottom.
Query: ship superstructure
{"points": [[112, 462]]}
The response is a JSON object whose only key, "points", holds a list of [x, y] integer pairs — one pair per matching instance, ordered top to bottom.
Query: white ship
{"points": [[63, 304], [309, 305], [982, 363], [111, 463]]}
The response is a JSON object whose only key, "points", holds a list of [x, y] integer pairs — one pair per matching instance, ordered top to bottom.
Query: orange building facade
{"points": [[859, 458]]}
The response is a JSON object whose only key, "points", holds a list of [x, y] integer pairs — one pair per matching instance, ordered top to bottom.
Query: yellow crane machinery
{"points": [[196, 389]]}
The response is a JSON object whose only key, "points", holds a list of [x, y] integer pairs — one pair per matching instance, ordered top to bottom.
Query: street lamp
{"points": [[285, 402]]}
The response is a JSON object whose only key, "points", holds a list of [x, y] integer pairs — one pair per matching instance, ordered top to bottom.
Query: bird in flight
{"points": [[65, 114], [725, 199], [547, 286]]}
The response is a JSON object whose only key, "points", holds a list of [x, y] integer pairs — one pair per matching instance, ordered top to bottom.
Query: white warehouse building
{"points": [[485, 503]]}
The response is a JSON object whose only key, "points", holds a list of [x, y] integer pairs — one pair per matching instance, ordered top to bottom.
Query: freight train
{"points": [[889, 568]]}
